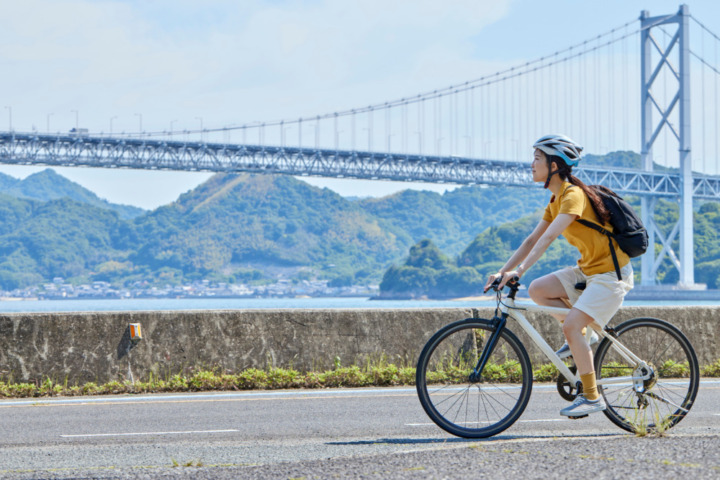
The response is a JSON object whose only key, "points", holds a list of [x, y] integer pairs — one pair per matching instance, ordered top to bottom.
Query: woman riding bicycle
{"points": [[554, 158]]}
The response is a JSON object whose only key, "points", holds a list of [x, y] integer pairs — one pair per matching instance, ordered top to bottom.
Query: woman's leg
{"points": [[549, 291], [573, 327]]}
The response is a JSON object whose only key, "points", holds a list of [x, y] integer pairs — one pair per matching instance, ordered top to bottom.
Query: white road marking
{"points": [[160, 397], [130, 434]]}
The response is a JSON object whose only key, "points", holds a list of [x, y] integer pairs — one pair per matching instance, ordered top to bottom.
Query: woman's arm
{"points": [[554, 230], [526, 246], [520, 253]]}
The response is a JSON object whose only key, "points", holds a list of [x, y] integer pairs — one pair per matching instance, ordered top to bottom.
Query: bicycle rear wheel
{"points": [[660, 402], [466, 408]]}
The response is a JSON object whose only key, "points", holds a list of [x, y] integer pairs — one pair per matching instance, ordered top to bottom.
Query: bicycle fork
{"points": [[498, 324]]}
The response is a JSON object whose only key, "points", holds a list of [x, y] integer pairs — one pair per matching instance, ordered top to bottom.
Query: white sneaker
{"points": [[565, 352], [582, 406]]}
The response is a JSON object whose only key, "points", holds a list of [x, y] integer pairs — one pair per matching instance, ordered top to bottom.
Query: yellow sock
{"points": [[589, 386]]}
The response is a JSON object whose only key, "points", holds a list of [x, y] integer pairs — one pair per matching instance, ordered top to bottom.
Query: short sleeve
{"points": [[572, 202]]}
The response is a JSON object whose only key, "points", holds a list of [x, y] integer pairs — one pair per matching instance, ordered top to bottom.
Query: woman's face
{"points": [[539, 166]]}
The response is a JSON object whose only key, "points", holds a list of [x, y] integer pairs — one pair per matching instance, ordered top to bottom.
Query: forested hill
{"points": [[48, 185], [453, 219], [242, 224], [235, 228], [254, 228], [428, 272]]}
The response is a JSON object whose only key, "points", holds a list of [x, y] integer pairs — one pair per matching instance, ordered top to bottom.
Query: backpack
{"points": [[628, 230]]}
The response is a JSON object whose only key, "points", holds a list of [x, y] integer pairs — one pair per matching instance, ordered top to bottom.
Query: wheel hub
{"points": [[644, 378], [650, 382]]}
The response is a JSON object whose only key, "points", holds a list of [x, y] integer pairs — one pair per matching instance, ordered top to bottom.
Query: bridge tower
{"points": [[649, 133]]}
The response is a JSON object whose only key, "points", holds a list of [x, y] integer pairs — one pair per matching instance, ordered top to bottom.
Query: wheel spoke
{"points": [[671, 387], [666, 400], [473, 410]]}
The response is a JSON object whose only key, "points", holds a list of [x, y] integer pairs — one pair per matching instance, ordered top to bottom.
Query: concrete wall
{"points": [[95, 347]]}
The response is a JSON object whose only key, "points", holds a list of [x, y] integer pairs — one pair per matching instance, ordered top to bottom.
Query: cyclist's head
{"points": [[560, 146], [561, 151]]}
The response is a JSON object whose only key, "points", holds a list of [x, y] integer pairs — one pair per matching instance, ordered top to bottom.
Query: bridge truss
{"points": [[109, 152]]}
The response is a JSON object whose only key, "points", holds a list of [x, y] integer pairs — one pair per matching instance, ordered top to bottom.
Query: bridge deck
{"points": [[114, 152]]}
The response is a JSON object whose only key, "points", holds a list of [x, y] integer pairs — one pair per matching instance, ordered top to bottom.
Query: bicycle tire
{"points": [[665, 398], [473, 409]]}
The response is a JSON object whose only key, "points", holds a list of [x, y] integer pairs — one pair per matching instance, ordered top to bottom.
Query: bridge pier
{"points": [[649, 133]]}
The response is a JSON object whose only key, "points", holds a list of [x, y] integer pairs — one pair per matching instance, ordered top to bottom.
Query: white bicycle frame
{"points": [[514, 309]]}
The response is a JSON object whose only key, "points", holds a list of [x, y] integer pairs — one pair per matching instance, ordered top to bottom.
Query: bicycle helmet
{"points": [[561, 146]]}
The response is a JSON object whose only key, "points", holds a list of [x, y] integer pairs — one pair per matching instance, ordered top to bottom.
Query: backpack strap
{"points": [[600, 229]]}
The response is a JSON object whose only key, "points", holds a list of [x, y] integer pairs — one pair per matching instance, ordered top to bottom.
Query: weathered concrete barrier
{"points": [[83, 347]]}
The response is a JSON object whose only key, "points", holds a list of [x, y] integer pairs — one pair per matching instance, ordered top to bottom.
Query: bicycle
{"points": [[474, 376]]}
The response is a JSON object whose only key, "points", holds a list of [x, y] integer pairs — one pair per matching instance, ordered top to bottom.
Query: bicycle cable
{"points": [[500, 302], [511, 307]]}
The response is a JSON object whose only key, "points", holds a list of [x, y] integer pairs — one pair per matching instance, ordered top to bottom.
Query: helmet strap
{"points": [[550, 175], [547, 182]]}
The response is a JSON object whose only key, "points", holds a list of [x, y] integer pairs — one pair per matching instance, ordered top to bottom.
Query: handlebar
{"points": [[514, 281]]}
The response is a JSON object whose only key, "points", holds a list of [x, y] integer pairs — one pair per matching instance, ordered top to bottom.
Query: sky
{"points": [[177, 64]]}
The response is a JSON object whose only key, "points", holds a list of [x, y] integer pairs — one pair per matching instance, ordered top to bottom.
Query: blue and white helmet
{"points": [[561, 146]]}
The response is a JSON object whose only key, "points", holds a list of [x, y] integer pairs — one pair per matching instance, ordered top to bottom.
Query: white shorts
{"points": [[603, 294]]}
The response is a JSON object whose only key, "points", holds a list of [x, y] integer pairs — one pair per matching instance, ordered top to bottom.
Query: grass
{"points": [[712, 370], [376, 373], [655, 426], [191, 463]]}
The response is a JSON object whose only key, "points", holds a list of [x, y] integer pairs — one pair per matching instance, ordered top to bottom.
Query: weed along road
{"points": [[342, 433]]}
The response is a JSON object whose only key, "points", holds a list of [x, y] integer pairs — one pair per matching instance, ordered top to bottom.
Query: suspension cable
{"points": [[705, 28], [531, 66]]}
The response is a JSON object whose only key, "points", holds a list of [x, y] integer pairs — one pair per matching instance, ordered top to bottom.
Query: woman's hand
{"points": [[509, 277], [505, 278], [492, 279]]}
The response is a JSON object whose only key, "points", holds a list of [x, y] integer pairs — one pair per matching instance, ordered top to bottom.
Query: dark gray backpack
{"points": [[628, 230]]}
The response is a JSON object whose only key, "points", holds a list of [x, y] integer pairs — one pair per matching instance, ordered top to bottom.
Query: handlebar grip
{"points": [[496, 282]]}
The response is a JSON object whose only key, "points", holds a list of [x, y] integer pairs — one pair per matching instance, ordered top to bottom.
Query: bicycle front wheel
{"points": [[660, 401], [478, 407]]}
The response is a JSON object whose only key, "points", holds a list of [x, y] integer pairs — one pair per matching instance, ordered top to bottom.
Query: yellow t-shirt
{"points": [[594, 250]]}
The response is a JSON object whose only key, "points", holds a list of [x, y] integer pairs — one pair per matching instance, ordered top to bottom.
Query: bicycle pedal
{"points": [[578, 417]]}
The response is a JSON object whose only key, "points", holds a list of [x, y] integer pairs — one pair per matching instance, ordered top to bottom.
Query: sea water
{"points": [[169, 304]]}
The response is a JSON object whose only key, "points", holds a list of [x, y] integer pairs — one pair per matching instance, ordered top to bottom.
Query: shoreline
{"points": [[637, 293]]}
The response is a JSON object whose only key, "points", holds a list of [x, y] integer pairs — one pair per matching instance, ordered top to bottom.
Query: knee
{"points": [[535, 291], [571, 327]]}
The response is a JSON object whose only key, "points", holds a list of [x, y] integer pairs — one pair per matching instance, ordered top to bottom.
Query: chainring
{"points": [[567, 390]]}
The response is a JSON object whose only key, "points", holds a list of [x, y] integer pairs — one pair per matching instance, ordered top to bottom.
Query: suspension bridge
{"points": [[626, 90]]}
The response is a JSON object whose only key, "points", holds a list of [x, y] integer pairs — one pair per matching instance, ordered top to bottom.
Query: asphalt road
{"points": [[339, 433]]}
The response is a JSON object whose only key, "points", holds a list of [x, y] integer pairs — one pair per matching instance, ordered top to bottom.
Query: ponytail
{"points": [[565, 172]]}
